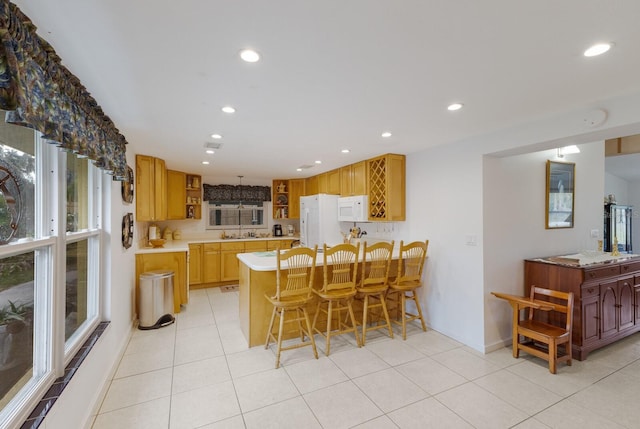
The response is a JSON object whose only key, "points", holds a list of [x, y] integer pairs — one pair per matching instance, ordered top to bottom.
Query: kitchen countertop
{"points": [[183, 245]]}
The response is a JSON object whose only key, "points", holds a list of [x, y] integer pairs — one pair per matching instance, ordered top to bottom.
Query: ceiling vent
{"points": [[212, 145], [304, 167]]}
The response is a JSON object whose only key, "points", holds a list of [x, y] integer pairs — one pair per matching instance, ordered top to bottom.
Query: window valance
{"points": [[40, 93], [229, 193]]}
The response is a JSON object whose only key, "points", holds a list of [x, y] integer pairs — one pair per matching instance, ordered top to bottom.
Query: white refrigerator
{"points": [[319, 220]]}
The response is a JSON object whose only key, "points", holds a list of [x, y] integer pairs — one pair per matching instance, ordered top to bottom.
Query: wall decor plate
{"points": [[127, 186], [127, 230]]}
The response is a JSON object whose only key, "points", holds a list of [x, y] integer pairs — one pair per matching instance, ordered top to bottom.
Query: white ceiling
{"points": [[334, 74]]}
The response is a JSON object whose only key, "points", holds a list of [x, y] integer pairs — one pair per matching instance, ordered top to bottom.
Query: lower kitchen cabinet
{"points": [[174, 261], [211, 262], [195, 264], [229, 268], [606, 296]]}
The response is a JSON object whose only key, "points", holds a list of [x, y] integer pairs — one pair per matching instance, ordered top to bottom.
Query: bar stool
{"points": [[409, 279], [294, 281], [373, 285], [338, 289]]}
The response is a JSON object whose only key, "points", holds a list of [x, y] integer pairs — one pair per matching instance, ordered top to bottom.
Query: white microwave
{"points": [[353, 209]]}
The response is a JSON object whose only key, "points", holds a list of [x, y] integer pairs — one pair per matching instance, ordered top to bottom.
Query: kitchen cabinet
{"points": [[386, 178], [353, 179], [333, 182], [311, 185], [323, 188], [151, 190], [296, 190], [280, 191], [176, 194], [192, 208], [279, 244], [174, 261], [229, 261], [211, 262], [195, 264], [607, 296]]}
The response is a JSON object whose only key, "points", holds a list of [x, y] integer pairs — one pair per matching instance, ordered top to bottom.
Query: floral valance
{"points": [[40, 93], [235, 193]]}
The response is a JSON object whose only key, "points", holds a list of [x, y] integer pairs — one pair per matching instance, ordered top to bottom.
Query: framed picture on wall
{"points": [[127, 186], [560, 194]]}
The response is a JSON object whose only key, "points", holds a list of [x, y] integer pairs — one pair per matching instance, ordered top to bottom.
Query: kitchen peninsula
{"points": [[257, 278]]}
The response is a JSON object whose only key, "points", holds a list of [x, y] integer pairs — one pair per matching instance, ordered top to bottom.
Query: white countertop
{"points": [[183, 245], [266, 261]]}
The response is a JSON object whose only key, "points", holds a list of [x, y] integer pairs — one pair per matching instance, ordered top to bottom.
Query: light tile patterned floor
{"points": [[199, 373]]}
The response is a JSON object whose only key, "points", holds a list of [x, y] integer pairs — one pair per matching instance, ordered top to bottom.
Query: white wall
{"points": [[514, 216]]}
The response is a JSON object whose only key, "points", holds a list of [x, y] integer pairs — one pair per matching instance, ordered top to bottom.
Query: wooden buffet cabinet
{"points": [[607, 298]]}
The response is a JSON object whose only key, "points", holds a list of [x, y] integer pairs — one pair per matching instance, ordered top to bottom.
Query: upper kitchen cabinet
{"points": [[386, 178], [353, 179], [311, 185], [296, 190], [151, 192], [176, 194], [280, 197], [193, 208]]}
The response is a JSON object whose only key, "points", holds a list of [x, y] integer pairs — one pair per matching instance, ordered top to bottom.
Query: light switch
{"points": [[595, 233], [472, 240]]}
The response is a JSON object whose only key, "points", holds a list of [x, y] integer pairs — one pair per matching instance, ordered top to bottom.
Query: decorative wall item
{"points": [[127, 186], [560, 195], [127, 230]]}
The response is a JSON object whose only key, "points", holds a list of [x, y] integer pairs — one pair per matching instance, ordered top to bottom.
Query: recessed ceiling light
{"points": [[597, 49], [249, 55], [454, 106], [228, 109], [386, 134], [216, 136], [345, 151], [210, 152], [205, 162], [318, 162], [298, 169]]}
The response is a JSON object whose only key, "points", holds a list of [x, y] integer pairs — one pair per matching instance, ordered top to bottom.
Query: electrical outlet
{"points": [[595, 233], [472, 240]]}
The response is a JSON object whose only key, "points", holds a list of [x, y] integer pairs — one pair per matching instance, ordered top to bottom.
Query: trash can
{"points": [[156, 299]]}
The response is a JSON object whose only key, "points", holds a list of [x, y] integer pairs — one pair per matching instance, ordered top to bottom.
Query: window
{"points": [[50, 233]]}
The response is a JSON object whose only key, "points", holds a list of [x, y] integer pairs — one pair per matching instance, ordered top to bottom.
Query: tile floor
{"points": [[199, 373]]}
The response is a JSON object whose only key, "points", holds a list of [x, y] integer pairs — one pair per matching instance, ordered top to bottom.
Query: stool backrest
{"points": [[376, 261], [340, 266], [295, 270]]}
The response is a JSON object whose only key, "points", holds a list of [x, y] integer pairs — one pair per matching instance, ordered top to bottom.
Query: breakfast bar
{"points": [[257, 278]]}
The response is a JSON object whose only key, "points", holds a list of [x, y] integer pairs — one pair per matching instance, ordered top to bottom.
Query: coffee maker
{"points": [[277, 230]]}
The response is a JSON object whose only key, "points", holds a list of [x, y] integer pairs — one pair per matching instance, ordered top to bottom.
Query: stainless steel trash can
{"points": [[156, 299]]}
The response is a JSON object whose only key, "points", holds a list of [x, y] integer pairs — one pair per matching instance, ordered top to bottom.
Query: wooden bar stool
{"points": [[409, 279], [294, 281], [373, 285], [338, 290]]}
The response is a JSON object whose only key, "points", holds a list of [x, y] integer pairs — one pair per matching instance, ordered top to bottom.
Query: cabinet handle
{"points": [[592, 275]]}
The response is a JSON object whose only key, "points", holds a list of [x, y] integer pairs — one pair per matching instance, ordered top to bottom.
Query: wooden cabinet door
{"points": [[359, 178], [345, 181], [333, 182], [311, 185], [323, 187], [160, 189], [296, 190], [144, 191], [176, 194], [211, 263], [195, 264], [229, 264], [636, 296], [626, 309], [608, 310], [590, 319]]}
